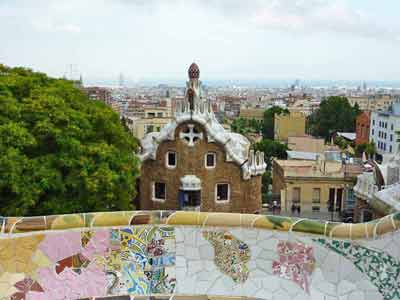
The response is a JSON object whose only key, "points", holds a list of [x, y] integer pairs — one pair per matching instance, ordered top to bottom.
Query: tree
{"points": [[334, 114], [269, 120], [244, 126], [341, 142], [368, 148], [272, 149], [60, 152]]}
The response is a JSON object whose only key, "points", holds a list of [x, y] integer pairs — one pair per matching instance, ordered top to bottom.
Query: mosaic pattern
{"points": [[379, 227], [127, 254], [231, 254], [145, 262], [296, 263], [75, 264], [381, 268]]}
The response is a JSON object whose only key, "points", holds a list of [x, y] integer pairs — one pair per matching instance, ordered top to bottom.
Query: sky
{"points": [[228, 39]]}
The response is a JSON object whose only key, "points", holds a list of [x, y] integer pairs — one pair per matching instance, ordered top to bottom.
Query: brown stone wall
{"points": [[362, 128], [245, 195]]}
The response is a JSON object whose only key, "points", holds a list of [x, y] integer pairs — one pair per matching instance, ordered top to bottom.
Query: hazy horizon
{"points": [[354, 40]]}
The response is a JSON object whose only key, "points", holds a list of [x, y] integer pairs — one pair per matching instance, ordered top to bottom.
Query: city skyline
{"points": [[149, 40]]}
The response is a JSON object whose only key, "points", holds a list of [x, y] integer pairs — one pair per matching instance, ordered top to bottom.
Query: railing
{"points": [[168, 254]]}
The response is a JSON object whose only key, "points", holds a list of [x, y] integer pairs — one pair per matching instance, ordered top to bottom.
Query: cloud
{"points": [[315, 16], [44, 25], [69, 28]]}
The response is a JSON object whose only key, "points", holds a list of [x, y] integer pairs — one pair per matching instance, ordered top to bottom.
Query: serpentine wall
{"points": [[189, 253]]}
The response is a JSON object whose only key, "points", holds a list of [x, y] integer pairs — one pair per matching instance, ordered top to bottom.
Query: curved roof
{"points": [[237, 146]]}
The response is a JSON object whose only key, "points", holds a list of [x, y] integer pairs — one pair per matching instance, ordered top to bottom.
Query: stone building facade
{"points": [[292, 124], [195, 164]]}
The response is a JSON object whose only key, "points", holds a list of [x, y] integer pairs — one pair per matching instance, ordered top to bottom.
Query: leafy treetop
{"points": [[334, 114], [60, 152]]}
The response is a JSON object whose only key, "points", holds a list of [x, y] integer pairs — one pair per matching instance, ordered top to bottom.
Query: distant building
{"points": [[99, 93], [372, 102], [231, 105], [305, 106], [252, 113], [152, 120], [292, 124], [384, 125], [362, 128], [348, 136], [308, 143], [193, 163], [316, 186]]}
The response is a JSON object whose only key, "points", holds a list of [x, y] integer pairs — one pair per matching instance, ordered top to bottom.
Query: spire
{"points": [[194, 71]]}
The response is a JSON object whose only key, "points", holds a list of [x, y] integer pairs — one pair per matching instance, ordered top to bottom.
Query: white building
{"points": [[384, 125]]}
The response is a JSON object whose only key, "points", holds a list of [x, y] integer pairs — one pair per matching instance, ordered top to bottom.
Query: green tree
{"points": [[334, 114], [269, 120], [244, 126], [341, 142], [272, 149], [370, 149], [60, 152]]}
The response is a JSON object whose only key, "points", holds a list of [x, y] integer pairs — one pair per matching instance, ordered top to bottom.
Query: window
{"points": [[151, 115], [160, 115], [373, 122], [391, 127], [149, 128], [373, 131], [391, 137], [390, 148], [170, 159], [210, 160], [159, 191], [222, 192], [296, 195], [316, 198], [316, 208]]}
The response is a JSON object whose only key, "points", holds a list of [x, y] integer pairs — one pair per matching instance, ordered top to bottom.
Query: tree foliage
{"points": [[334, 114], [269, 120], [244, 126], [368, 148], [272, 149], [59, 151]]}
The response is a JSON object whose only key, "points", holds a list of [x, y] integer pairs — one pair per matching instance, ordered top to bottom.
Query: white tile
{"points": [[345, 287]]}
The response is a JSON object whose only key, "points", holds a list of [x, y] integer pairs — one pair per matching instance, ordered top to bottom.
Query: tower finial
{"points": [[194, 71]]}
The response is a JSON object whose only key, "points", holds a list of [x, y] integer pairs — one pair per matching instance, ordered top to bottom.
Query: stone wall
{"points": [[245, 195], [182, 253]]}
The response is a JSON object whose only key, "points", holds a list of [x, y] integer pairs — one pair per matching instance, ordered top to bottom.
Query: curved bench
{"points": [[166, 254]]}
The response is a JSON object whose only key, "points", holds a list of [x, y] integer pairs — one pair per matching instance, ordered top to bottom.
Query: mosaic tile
{"points": [[231, 254], [114, 262], [145, 263], [296, 263], [382, 269]]}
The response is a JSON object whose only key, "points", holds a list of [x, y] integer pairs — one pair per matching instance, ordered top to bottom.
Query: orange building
{"points": [[362, 128]]}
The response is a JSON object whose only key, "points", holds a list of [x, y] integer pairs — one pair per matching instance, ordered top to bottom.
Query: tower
{"points": [[193, 86]]}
